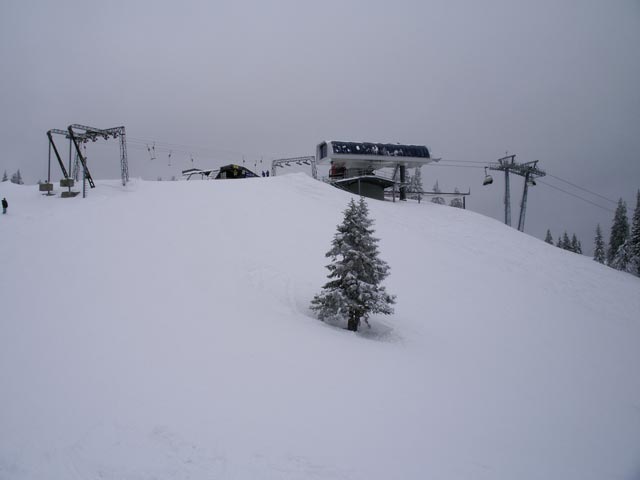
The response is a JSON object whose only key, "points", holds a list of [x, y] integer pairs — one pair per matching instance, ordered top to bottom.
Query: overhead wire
{"points": [[141, 144], [186, 148], [464, 161], [442, 164], [455, 166], [542, 182], [582, 188], [574, 195]]}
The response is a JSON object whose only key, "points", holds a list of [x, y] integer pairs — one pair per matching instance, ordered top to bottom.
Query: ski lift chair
{"points": [[488, 179]]}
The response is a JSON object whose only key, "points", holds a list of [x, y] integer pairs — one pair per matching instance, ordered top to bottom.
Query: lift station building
{"points": [[355, 166]]}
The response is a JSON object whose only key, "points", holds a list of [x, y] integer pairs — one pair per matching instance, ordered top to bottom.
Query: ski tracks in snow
{"points": [[275, 283], [110, 452], [113, 452]]}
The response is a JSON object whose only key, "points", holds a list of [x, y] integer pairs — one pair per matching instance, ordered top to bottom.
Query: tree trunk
{"points": [[354, 321]]}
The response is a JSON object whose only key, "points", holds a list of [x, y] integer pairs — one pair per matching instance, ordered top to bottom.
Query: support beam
{"points": [[55, 150], [83, 161], [124, 164], [403, 179], [507, 199], [523, 203]]}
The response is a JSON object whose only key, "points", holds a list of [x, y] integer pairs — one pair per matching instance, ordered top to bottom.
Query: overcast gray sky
{"points": [[556, 81]]}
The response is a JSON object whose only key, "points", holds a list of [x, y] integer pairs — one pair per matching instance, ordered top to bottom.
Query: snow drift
{"points": [[163, 330]]}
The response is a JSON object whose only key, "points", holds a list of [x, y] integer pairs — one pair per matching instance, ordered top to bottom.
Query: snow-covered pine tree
{"points": [[4, 177], [17, 178], [415, 185], [436, 199], [456, 201], [619, 231], [548, 238], [634, 241], [566, 243], [575, 244], [598, 249], [622, 257], [356, 272]]}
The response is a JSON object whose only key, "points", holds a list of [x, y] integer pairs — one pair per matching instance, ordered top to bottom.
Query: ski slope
{"points": [[162, 331]]}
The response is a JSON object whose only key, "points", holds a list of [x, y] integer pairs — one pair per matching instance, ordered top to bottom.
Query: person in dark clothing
{"points": [[5, 204]]}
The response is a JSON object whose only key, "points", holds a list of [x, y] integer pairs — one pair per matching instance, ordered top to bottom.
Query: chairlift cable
{"points": [[463, 161], [444, 163], [544, 183], [582, 188], [576, 196]]}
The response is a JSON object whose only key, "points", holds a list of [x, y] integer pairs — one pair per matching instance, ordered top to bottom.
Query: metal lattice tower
{"points": [[91, 133], [82, 134], [282, 162], [124, 164], [529, 171]]}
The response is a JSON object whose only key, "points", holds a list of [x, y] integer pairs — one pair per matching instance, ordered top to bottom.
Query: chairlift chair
{"points": [[152, 151], [488, 179]]}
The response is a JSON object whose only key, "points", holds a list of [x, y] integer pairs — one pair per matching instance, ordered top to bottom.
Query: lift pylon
{"points": [[81, 134], [529, 171]]}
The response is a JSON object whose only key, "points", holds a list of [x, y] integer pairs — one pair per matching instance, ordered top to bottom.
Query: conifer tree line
{"points": [[15, 178], [571, 244], [623, 252]]}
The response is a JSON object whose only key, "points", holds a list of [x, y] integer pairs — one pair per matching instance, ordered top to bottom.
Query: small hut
{"points": [[234, 171]]}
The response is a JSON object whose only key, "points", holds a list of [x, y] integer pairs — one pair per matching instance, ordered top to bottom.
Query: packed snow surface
{"points": [[162, 331]]}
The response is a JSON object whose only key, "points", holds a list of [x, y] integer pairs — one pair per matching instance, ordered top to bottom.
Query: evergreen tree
{"points": [[4, 177], [17, 178], [417, 179], [415, 187], [436, 199], [456, 201], [619, 231], [548, 238], [633, 241], [566, 243], [575, 245], [598, 250], [622, 257], [354, 290]]}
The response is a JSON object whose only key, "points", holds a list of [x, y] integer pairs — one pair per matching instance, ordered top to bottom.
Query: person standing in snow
{"points": [[5, 204]]}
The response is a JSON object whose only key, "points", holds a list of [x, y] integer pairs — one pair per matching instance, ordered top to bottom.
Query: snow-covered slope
{"points": [[162, 331]]}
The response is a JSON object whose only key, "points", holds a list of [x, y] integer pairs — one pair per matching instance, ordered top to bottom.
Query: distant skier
{"points": [[5, 204]]}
